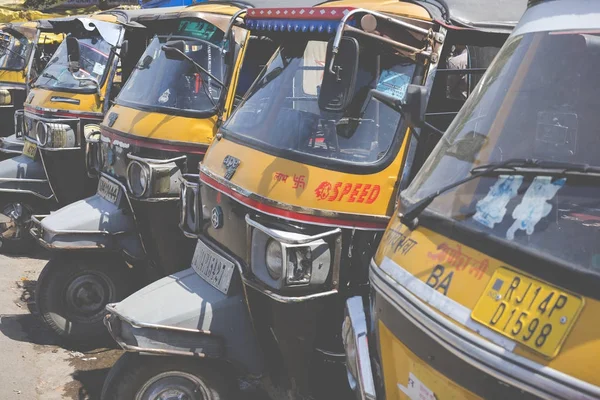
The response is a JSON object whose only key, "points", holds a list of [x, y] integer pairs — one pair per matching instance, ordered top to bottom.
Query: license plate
{"points": [[29, 149], [108, 190], [212, 267], [533, 313]]}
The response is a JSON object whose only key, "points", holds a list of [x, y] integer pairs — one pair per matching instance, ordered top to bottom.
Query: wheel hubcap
{"points": [[16, 219], [88, 294], [173, 385]]}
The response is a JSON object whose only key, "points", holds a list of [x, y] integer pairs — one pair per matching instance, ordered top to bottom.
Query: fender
{"points": [[10, 146], [24, 175], [92, 223], [193, 319]]}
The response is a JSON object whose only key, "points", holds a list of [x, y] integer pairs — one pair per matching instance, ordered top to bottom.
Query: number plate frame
{"points": [[29, 149], [108, 190], [215, 269], [513, 313]]}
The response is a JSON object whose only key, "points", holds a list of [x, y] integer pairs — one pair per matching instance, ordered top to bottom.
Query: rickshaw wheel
{"points": [[16, 238], [72, 291], [137, 377]]}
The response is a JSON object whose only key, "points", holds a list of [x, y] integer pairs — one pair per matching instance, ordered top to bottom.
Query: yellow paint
{"points": [[385, 6], [7, 76], [88, 102], [164, 127], [258, 174], [472, 272], [398, 362]]}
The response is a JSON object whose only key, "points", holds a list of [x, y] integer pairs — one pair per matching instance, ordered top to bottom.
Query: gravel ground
{"points": [[32, 365]]}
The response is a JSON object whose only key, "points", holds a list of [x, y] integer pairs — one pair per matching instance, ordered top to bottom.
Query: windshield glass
{"points": [[15, 49], [94, 55], [163, 83], [538, 100], [281, 114]]}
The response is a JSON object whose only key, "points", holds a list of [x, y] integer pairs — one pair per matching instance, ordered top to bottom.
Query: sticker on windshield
{"points": [[98, 69], [393, 83], [164, 97], [534, 205], [492, 208]]}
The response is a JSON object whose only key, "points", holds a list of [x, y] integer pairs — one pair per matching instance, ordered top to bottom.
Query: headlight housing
{"points": [[5, 97], [55, 135], [93, 160], [138, 178], [191, 218], [274, 259], [356, 345]]}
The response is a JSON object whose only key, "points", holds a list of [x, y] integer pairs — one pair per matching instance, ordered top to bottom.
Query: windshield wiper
{"points": [[49, 76], [553, 167]]}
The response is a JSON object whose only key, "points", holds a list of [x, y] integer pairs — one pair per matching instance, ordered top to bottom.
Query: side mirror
{"points": [[124, 49], [173, 49], [73, 54], [146, 61], [337, 88], [412, 108]]}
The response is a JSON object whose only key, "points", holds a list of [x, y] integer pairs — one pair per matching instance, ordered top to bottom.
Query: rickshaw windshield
{"points": [[15, 48], [94, 58], [175, 85], [539, 102], [281, 115]]}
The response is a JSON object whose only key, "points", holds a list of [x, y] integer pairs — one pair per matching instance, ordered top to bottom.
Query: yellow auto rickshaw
{"points": [[25, 48], [294, 195], [106, 246], [486, 283]]}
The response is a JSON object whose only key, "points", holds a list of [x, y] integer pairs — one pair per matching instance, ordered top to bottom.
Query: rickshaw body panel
{"points": [[403, 9], [41, 99], [18, 170]]}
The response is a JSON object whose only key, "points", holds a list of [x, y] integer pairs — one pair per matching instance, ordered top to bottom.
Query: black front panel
{"points": [[7, 127], [441, 359]]}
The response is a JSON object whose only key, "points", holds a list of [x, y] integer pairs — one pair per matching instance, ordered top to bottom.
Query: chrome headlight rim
{"points": [[41, 133], [143, 169], [274, 245]]}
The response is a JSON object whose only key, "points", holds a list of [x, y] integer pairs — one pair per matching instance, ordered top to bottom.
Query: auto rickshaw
{"points": [[25, 48], [64, 106], [293, 197], [125, 236], [485, 285]]}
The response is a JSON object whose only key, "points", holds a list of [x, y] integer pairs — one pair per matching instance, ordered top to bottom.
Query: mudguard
{"points": [[10, 146], [25, 175], [92, 223], [181, 314]]}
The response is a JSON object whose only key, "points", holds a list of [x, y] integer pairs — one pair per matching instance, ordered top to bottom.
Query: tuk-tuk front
{"points": [[24, 49], [65, 105], [294, 193], [126, 235], [485, 285]]}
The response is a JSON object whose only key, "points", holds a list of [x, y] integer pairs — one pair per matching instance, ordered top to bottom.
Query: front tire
{"points": [[72, 291], [137, 377]]}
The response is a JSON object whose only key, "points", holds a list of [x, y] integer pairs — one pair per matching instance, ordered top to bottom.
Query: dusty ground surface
{"points": [[32, 364]]}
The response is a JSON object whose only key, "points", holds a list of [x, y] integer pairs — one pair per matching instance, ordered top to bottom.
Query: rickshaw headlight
{"points": [[5, 97], [41, 133], [54, 135], [138, 178], [274, 259]]}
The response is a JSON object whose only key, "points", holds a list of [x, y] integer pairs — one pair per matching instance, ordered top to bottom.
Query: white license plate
{"points": [[108, 190], [212, 267]]}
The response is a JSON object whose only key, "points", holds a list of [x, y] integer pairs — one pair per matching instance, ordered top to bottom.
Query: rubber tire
{"points": [[51, 285], [132, 371]]}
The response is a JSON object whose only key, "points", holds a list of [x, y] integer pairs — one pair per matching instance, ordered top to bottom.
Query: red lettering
{"points": [[345, 190], [335, 191], [364, 192], [354, 193], [374, 194]]}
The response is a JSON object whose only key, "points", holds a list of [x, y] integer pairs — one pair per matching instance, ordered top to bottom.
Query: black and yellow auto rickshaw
{"points": [[25, 48], [65, 104], [293, 198], [126, 235], [486, 284]]}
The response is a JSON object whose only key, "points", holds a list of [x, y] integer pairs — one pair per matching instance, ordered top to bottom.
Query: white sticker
{"points": [[98, 69], [393, 83], [164, 97], [534, 205], [492, 208], [416, 390]]}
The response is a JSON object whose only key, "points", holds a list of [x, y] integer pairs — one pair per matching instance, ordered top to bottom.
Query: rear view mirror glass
{"points": [[338, 85]]}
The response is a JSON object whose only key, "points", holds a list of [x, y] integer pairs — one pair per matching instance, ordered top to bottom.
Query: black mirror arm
{"points": [[198, 66]]}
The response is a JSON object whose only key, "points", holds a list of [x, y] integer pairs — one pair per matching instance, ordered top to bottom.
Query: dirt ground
{"points": [[32, 365]]}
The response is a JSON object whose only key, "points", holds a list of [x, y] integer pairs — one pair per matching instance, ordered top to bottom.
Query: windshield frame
{"points": [[33, 45], [110, 64], [178, 112], [333, 164]]}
